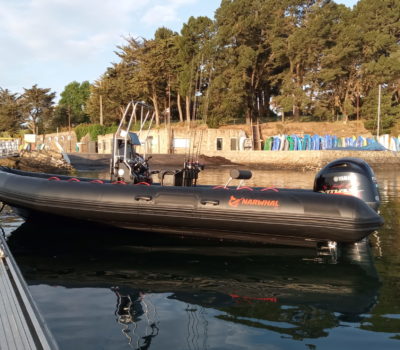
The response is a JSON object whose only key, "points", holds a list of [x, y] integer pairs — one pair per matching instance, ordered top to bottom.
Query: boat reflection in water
{"points": [[283, 290], [131, 306]]}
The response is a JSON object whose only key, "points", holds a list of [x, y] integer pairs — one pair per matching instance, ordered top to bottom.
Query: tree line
{"points": [[255, 61], [35, 110]]}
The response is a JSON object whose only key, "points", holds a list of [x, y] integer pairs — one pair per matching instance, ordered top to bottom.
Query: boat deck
{"points": [[21, 326]]}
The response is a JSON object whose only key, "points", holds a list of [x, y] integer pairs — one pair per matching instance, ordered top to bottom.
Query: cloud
{"points": [[165, 11], [160, 14], [49, 29], [66, 36]]}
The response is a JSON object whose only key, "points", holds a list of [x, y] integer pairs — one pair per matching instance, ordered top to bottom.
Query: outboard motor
{"points": [[349, 176]]}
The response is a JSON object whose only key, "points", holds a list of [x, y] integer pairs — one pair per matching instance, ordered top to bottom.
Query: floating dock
{"points": [[21, 325]]}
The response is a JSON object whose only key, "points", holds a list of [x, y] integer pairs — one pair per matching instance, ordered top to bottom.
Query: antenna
{"points": [[379, 109]]}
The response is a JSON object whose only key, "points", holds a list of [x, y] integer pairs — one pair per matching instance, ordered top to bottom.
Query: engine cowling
{"points": [[349, 176]]}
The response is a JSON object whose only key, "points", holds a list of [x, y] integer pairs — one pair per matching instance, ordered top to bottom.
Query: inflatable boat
{"points": [[341, 208]]}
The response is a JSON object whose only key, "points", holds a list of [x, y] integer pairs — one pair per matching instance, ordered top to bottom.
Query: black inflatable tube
{"points": [[297, 217]]}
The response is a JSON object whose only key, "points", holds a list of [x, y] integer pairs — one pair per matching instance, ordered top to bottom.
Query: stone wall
{"points": [[227, 138], [67, 140], [164, 141], [304, 159]]}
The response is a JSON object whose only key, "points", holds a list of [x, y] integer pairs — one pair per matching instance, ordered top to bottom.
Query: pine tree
{"points": [[36, 106], [10, 116]]}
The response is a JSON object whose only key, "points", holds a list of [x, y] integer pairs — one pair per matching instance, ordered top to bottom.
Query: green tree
{"points": [[297, 44], [165, 45], [242, 53], [251, 57], [302, 57], [142, 58], [333, 62], [194, 65], [149, 68], [111, 93], [73, 101], [36, 106], [390, 110], [9, 113], [60, 119]]}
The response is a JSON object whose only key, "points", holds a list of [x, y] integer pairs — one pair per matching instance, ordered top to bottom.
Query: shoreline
{"points": [[262, 160], [265, 160], [306, 160]]}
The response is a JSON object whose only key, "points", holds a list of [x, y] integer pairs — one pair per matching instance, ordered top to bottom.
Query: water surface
{"points": [[111, 289]]}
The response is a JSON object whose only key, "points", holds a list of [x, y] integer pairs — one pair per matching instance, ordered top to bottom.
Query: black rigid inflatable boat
{"points": [[341, 208], [268, 215]]}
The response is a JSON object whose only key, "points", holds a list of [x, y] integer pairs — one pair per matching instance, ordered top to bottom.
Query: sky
{"points": [[52, 43]]}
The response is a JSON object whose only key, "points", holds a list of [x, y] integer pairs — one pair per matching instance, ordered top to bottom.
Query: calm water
{"points": [[106, 289]]}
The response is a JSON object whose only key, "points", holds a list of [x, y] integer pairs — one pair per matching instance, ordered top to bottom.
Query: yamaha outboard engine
{"points": [[349, 176]]}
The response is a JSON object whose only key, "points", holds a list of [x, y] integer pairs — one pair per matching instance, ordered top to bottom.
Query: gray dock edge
{"points": [[21, 325]]}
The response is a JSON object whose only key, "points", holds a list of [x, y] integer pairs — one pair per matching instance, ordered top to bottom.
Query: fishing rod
{"points": [[148, 132], [194, 145], [199, 146], [189, 150], [199, 166]]}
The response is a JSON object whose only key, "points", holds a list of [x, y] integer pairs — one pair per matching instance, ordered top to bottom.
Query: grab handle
{"points": [[143, 198], [208, 201]]}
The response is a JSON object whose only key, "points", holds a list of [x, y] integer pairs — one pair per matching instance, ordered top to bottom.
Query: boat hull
{"points": [[281, 216]]}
